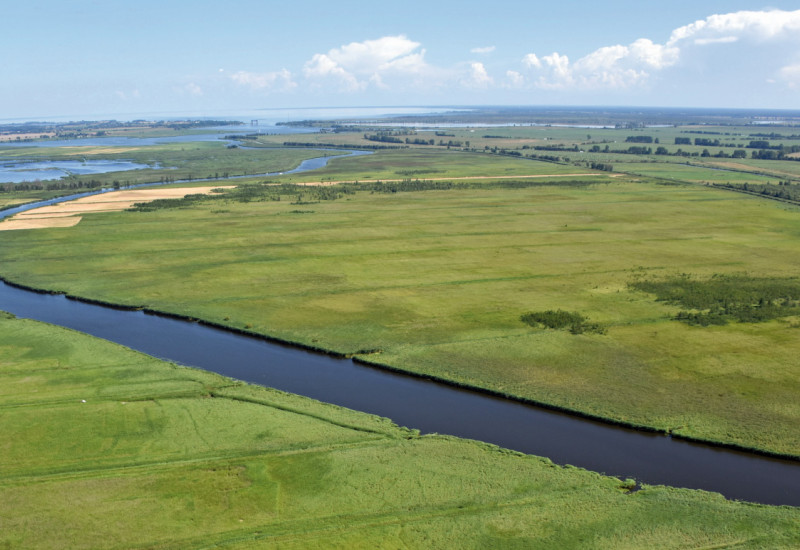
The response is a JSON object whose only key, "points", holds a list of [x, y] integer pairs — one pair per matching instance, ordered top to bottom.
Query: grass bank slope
{"points": [[103, 447]]}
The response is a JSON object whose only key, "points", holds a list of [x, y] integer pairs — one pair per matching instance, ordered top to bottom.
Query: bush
{"points": [[725, 298], [560, 319]]}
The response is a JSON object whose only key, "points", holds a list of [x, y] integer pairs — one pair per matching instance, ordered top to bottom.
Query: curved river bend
{"points": [[424, 404]]}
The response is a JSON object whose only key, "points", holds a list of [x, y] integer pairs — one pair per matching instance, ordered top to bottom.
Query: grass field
{"points": [[426, 164], [692, 173], [438, 282], [106, 447]]}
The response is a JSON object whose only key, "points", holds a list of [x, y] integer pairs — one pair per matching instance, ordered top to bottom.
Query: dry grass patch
{"points": [[67, 214], [40, 223]]}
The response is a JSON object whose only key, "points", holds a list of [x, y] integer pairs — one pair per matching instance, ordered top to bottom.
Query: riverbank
{"points": [[419, 402], [93, 430]]}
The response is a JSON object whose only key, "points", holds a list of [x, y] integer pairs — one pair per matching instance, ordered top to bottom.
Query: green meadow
{"points": [[431, 164], [438, 282], [106, 447]]}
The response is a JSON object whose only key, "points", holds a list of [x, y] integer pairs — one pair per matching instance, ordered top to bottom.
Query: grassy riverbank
{"points": [[437, 282], [106, 447]]}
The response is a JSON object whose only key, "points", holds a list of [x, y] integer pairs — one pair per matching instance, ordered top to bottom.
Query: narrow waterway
{"points": [[426, 405]]}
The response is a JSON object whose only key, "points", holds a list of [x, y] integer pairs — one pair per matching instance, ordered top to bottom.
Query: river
{"points": [[426, 405]]}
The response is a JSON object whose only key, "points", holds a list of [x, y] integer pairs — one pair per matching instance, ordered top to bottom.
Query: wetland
{"points": [[455, 261]]}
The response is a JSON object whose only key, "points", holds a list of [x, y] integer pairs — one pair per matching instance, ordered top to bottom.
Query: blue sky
{"points": [[102, 58]]}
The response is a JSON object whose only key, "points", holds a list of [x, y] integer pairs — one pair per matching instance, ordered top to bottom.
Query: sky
{"points": [[112, 58]]}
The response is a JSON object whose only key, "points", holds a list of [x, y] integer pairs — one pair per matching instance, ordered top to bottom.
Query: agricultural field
{"points": [[436, 273], [106, 447]]}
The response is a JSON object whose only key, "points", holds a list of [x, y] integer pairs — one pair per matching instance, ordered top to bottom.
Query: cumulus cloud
{"points": [[759, 25], [486, 49], [532, 61], [559, 65], [355, 66], [620, 66], [608, 67], [477, 77], [514, 79], [277, 80]]}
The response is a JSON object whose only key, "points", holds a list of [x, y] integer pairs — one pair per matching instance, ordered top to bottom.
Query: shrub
{"points": [[560, 319]]}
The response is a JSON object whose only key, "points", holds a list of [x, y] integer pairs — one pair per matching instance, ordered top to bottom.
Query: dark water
{"points": [[121, 141], [19, 171], [426, 405]]}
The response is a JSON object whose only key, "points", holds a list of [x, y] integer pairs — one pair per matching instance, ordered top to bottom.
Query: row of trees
{"points": [[641, 139], [53, 185], [783, 191]]}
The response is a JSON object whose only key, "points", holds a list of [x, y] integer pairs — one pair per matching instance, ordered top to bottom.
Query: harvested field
{"points": [[24, 136], [67, 214]]}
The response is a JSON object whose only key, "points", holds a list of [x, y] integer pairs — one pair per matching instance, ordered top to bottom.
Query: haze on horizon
{"points": [[97, 59]]}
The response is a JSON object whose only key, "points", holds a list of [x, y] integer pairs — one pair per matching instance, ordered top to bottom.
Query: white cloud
{"points": [[761, 25], [720, 40], [486, 49], [654, 56], [531, 60], [382, 62], [322, 66], [619, 66], [608, 67], [557, 71], [477, 77], [514, 79], [277, 80]]}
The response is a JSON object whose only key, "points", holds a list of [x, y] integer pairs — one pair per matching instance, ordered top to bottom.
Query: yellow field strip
{"points": [[67, 214]]}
